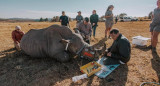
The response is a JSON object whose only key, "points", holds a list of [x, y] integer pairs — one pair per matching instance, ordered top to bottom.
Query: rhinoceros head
{"points": [[77, 46]]}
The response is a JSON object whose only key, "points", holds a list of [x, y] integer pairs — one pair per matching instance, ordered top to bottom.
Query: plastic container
{"points": [[139, 40], [90, 68], [76, 78]]}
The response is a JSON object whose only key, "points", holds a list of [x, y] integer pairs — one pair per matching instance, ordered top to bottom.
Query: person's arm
{"points": [[108, 15], [76, 18], [82, 18], [97, 18], [60, 19], [67, 19], [91, 19], [152, 24], [79, 27], [90, 30], [22, 33], [14, 38], [109, 49], [124, 51]]}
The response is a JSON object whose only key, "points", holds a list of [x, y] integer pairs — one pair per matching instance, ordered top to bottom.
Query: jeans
{"points": [[94, 30]]}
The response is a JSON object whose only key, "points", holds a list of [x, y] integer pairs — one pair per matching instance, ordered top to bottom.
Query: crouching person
{"points": [[85, 30], [17, 34], [119, 52]]}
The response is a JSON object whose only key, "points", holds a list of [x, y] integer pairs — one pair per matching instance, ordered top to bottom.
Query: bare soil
{"points": [[18, 69]]}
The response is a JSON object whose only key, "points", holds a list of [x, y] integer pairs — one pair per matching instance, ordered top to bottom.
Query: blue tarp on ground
{"points": [[106, 69]]}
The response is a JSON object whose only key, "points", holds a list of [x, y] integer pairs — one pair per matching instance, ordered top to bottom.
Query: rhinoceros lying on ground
{"points": [[53, 41]]}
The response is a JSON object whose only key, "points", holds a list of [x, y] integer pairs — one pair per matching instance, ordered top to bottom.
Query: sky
{"points": [[49, 8]]}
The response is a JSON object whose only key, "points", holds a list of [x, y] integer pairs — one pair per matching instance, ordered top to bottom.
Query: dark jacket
{"points": [[94, 19], [65, 20], [121, 49]]}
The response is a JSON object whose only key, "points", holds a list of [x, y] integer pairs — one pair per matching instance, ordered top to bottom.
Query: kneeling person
{"points": [[85, 30], [17, 34], [119, 52]]}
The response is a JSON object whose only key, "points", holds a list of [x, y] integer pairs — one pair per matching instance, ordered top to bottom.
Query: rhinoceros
{"points": [[53, 42]]}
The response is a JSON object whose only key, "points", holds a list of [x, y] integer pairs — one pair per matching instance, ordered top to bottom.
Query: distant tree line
{"points": [[54, 19], [43, 20]]}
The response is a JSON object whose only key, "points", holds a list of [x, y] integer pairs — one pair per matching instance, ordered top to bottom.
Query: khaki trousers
{"points": [[17, 46]]}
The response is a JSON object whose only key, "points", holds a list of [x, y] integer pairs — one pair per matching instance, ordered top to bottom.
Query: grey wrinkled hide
{"points": [[46, 42]]}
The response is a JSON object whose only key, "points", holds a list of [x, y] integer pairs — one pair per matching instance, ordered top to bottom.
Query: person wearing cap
{"points": [[79, 18], [64, 19], [109, 19], [94, 20], [155, 27], [85, 30], [17, 34], [119, 52]]}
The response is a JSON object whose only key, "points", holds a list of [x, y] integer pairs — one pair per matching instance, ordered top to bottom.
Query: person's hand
{"points": [[93, 24], [16, 42], [106, 51], [109, 54]]}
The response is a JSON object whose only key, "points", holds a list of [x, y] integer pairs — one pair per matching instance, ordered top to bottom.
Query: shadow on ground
{"points": [[143, 48], [156, 64], [18, 69], [117, 77]]}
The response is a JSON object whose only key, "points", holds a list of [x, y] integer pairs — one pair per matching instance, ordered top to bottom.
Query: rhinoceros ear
{"points": [[65, 41]]}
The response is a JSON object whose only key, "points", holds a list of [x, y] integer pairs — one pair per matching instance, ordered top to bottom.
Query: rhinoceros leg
{"points": [[62, 57]]}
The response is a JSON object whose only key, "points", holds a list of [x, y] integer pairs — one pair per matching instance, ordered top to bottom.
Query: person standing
{"points": [[79, 18], [64, 19], [94, 20], [109, 20], [155, 27], [85, 30], [17, 34]]}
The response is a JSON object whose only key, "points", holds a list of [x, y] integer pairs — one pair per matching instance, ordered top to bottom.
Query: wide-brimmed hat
{"points": [[18, 27]]}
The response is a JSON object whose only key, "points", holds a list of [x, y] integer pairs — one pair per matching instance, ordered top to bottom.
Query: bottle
{"points": [[76, 78]]}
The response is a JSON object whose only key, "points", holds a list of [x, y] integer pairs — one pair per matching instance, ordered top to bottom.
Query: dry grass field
{"points": [[18, 69]]}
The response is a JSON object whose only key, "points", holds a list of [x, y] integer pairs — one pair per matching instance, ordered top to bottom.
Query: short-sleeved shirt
{"points": [[109, 13], [79, 18], [64, 19], [155, 25], [86, 29]]}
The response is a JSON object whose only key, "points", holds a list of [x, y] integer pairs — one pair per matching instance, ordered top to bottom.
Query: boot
{"points": [[154, 50]]}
